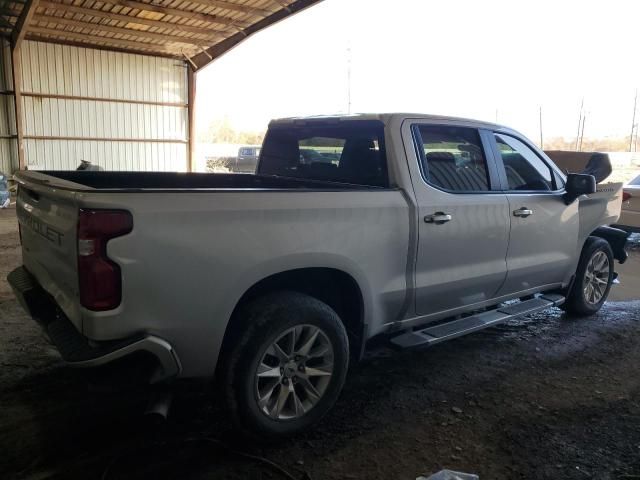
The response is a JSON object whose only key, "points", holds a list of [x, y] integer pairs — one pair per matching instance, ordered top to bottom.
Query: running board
{"points": [[463, 326]]}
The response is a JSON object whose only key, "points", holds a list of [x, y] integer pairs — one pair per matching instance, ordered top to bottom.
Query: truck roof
{"points": [[385, 118]]}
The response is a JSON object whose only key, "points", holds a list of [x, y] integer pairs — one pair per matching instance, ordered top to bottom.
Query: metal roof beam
{"points": [[61, 7], [234, 7], [9, 12], [188, 14], [22, 24], [161, 37], [92, 40], [87, 42], [202, 59]]}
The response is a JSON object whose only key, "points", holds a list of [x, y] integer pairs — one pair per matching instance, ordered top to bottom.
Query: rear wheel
{"points": [[594, 277], [288, 368]]}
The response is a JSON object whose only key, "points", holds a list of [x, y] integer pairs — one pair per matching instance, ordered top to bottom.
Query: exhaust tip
{"points": [[158, 406]]}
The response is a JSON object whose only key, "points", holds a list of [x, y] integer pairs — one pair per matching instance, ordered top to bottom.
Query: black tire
{"points": [[577, 302], [263, 321]]}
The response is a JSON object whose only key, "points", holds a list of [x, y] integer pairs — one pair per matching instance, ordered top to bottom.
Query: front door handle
{"points": [[522, 212], [438, 218]]}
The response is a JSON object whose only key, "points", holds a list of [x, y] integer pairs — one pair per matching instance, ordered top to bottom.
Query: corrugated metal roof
{"points": [[198, 30]]}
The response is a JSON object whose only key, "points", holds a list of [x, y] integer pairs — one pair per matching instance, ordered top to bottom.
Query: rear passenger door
{"points": [[463, 227], [544, 231]]}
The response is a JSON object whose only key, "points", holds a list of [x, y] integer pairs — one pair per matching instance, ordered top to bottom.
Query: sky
{"points": [[487, 60]]}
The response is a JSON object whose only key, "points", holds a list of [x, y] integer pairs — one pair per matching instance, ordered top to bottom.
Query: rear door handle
{"points": [[522, 212], [438, 218]]}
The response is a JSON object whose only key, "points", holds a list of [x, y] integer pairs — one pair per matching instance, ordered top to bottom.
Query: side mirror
{"points": [[578, 184]]}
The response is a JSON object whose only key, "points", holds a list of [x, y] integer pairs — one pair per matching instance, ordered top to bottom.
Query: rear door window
{"points": [[453, 158]]}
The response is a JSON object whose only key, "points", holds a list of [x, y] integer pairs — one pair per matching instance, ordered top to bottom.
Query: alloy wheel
{"points": [[596, 277], [294, 372]]}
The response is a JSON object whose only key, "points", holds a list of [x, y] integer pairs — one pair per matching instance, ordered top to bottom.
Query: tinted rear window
{"points": [[346, 152]]}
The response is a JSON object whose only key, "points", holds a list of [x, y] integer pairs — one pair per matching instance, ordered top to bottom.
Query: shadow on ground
{"points": [[543, 397]]}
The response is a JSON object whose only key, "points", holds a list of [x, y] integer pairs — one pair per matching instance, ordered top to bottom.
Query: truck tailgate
{"points": [[48, 227]]}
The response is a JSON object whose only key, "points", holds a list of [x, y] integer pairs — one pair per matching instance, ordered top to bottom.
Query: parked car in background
{"points": [[309, 156], [331, 156], [247, 159], [5, 196], [630, 217], [424, 229]]}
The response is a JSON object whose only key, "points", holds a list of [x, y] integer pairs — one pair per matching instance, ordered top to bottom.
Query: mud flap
{"points": [[617, 239]]}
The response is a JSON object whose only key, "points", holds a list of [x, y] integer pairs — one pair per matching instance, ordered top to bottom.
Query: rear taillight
{"points": [[626, 196], [99, 277]]}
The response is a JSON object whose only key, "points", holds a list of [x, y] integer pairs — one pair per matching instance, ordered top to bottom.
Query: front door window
{"points": [[524, 169]]}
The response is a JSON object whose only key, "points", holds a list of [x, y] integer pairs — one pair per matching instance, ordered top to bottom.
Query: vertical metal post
{"points": [[17, 36], [16, 68], [349, 80], [191, 117], [584, 119], [633, 120], [579, 123], [541, 139]]}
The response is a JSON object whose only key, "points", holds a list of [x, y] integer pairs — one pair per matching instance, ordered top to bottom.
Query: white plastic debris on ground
{"points": [[450, 475]]}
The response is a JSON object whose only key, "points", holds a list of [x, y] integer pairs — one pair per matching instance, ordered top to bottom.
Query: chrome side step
{"points": [[457, 328]]}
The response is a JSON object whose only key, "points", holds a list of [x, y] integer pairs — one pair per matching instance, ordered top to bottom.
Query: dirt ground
{"points": [[546, 397]]}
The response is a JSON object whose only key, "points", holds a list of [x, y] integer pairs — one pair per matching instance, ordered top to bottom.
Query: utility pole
{"points": [[348, 80], [584, 119], [540, 123], [579, 123], [634, 127]]}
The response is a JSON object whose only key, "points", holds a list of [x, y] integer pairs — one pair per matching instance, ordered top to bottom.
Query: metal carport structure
{"points": [[113, 78]]}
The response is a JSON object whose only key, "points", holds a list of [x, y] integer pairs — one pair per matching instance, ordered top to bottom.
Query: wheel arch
{"points": [[616, 238], [335, 287]]}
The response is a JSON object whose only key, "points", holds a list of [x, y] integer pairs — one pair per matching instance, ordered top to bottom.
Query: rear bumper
{"points": [[629, 220], [75, 348]]}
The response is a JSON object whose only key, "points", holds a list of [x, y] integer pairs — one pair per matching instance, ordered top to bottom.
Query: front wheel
{"points": [[593, 280], [288, 366]]}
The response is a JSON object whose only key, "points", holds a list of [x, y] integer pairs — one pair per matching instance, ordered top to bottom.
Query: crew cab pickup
{"points": [[413, 227]]}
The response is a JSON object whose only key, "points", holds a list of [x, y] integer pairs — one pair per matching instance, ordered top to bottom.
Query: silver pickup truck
{"points": [[414, 228]]}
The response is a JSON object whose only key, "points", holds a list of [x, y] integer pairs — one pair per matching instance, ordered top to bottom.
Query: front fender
{"points": [[617, 238]]}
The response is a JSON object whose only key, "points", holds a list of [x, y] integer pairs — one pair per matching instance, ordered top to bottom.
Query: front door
{"points": [[463, 227], [544, 230]]}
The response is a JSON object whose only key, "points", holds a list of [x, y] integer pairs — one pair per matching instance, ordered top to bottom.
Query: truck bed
{"points": [[171, 181]]}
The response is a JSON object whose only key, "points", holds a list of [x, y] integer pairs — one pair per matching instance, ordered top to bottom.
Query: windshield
{"points": [[346, 152]]}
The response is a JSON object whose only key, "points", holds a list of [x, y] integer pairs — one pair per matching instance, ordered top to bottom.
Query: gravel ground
{"points": [[544, 397]]}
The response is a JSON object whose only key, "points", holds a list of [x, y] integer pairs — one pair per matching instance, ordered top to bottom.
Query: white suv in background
{"points": [[630, 216]]}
